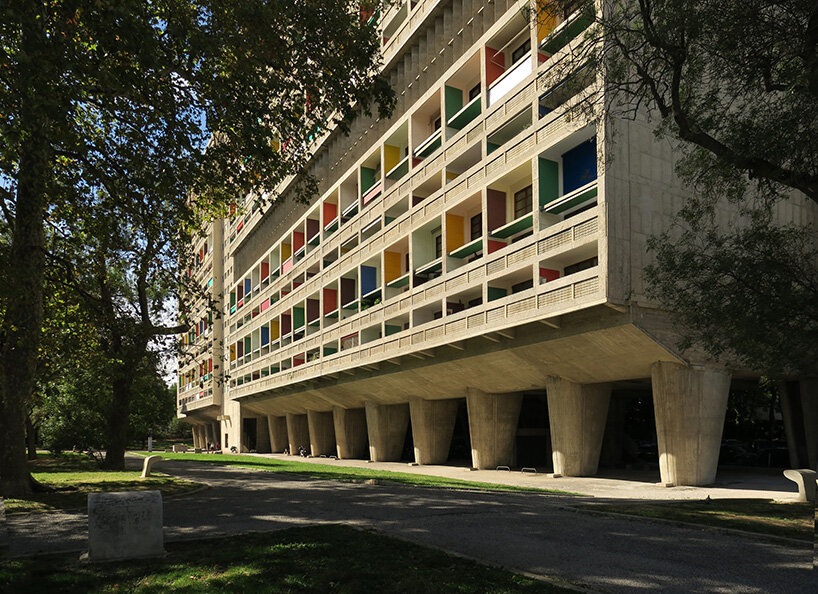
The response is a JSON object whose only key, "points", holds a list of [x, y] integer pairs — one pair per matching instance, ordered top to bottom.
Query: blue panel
{"points": [[579, 166], [368, 279], [247, 286], [265, 335]]}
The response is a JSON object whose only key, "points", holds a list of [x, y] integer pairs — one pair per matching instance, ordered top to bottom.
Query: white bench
{"points": [[147, 465], [805, 479]]}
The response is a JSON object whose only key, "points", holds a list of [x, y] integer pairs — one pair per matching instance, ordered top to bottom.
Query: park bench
{"points": [[147, 465], [805, 479]]}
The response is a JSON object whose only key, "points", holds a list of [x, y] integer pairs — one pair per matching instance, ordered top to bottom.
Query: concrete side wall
{"points": [[386, 426], [432, 427], [493, 427], [350, 432], [322, 433]]}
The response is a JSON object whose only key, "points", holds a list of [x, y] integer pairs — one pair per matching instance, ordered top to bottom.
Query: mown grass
{"points": [[348, 473], [72, 476], [790, 520], [331, 558]]}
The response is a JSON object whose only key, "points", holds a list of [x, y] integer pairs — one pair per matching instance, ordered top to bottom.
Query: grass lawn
{"points": [[347, 473], [73, 476], [791, 520], [332, 558]]}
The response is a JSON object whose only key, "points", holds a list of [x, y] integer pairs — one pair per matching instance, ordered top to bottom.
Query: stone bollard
{"points": [[147, 465], [124, 526]]}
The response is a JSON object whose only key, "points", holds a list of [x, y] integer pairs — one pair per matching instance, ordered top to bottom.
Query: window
{"points": [[521, 51], [474, 91], [436, 123], [522, 202], [476, 226], [438, 246], [580, 266], [523, 286]]}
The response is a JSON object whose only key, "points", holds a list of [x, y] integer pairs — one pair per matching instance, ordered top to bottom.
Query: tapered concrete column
{"points": [[689, 403], [577, 414], [386, 426], [432, 427], [492, 427], [277, 428], [195, 431], [202, 431], [298, 432], [350, 432], [209, 433], [322, 433], [262, 436]]}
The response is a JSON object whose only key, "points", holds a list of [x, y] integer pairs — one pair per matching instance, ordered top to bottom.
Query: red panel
{"points": [[541, 57], [495, 65], [496, 206], [330, 212], [312, 228], [298, 240], [494, 245], [265, 270], [548, 274], [330, 300], [265, 304], [313, 309]]}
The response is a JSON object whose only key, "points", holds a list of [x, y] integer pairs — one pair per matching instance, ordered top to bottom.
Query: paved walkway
{"points": [[624, 484], [530, 532]]}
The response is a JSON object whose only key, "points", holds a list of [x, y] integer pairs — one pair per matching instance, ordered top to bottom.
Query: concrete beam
{"points": [[689, 404], [577, 414], [386, 426], [277, 427], [492, 427], [432, 428], [298, 432], [350, 432], [322, 433]]}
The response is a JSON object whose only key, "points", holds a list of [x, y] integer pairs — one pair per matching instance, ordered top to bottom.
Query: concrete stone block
{"points": [[179, 448], [805, 479], [125, 525]]}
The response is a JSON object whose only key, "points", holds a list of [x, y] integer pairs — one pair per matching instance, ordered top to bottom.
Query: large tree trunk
{"points": [[22, 323], [118, 419], [31, 439]]}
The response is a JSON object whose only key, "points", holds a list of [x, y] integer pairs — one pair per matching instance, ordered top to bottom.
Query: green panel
{"points": [[556, 42], [454, 101], [466, 116], [491, 147], [428, 150], [399, 171], [367, 179], [549, 181], [578, 199], [514, 227], [467, 250], [401, 281], [496, 293], [232, 298], [298, 317], [390, 329], [247, 347], [329, 351]]}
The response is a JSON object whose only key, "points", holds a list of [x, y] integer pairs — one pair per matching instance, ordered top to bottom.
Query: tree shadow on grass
{"points": [[331, 558]]}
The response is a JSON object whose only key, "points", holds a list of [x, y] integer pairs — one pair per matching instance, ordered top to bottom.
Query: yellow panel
{"points": [[546, 18], [391, 157], [451, 174], [454, 232], [286, 251], [391, 266], [274, 331], [232, 352]]}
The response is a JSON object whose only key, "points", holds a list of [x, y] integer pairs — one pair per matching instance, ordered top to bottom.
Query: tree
{"points": [[735, 86], [122, 98]]}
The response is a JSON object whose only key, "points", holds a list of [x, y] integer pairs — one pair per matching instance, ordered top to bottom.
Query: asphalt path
{"points": [[534, 533]]}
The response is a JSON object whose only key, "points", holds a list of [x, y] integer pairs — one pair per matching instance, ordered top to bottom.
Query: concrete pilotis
{"points": [[689, 404], [577, 414], [277, 427], [386, 427], [432, 427], [492, 427], [194, 429], [298, 432], [350, 432], [322, 433]]}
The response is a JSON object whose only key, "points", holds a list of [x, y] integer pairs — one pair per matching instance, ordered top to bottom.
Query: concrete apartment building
{"points": [[470, 275]]}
